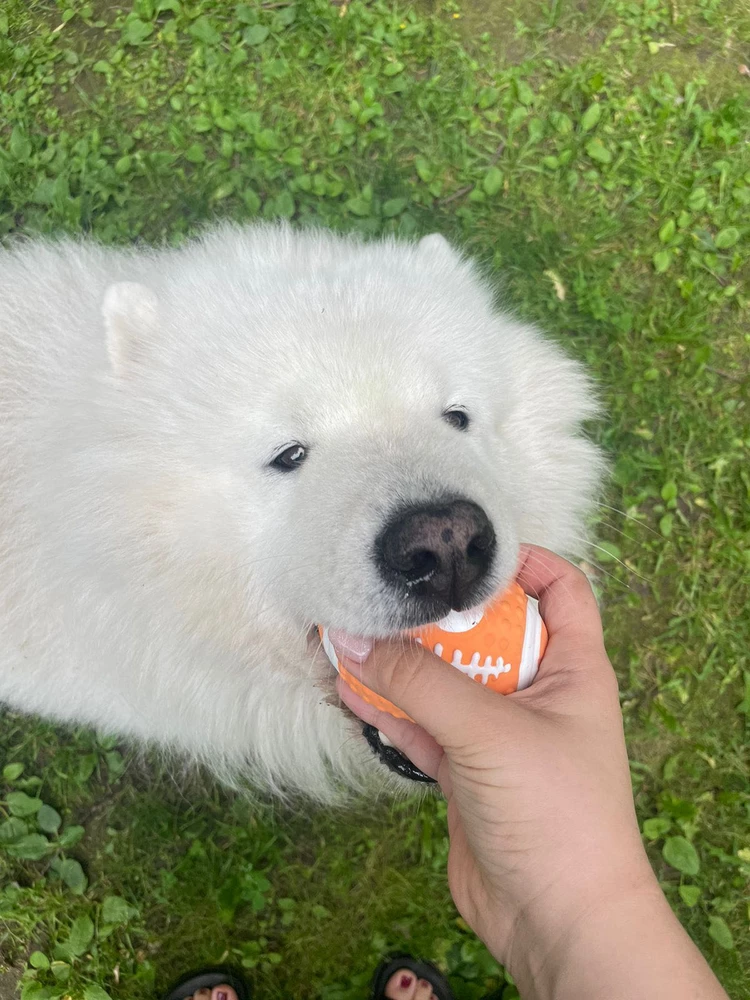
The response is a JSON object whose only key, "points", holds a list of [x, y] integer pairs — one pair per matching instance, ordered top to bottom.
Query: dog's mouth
{"points": [[393, 759]]}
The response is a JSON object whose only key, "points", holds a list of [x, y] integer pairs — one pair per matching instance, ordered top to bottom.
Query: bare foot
{"points": [[404, 985], [222, 992]]}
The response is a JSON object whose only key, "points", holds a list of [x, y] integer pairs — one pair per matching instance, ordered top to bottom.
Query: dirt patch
{"points": [[518, 30], [720, 67], [10, 977]]}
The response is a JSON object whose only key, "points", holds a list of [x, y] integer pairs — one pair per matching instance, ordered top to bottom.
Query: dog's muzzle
{"points": [[393, 759]]}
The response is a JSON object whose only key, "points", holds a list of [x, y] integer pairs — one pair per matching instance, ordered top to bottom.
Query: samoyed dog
{"points": [[206, 451]]}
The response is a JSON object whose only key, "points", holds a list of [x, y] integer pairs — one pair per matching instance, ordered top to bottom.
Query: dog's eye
{"points": [[457, 418], [290, 458]]}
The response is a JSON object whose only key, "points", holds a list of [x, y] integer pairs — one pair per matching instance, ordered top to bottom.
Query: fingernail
{"points": [[355, 647], [405, 982]]}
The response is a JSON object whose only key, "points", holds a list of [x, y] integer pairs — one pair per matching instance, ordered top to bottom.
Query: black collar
{"points": [[393, 759]]}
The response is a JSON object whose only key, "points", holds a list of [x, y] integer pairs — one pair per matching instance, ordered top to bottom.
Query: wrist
{"points": [[567, 920], [622, 942]]}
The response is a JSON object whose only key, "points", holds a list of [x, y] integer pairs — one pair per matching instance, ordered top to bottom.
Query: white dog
{"points": [[206, 451]]}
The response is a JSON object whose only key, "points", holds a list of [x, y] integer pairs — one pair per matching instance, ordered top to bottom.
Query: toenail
{"points": [[405, 982], [423, 983], [221, 995]]}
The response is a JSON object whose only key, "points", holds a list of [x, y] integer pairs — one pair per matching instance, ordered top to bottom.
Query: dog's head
{"points": [[347, 433]]}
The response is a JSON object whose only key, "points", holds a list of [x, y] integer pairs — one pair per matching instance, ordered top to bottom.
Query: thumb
{"points": [[442, 700], [450, 706]]}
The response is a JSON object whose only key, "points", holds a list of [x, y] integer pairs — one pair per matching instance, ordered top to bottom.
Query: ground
{"points": [[595, 157]]}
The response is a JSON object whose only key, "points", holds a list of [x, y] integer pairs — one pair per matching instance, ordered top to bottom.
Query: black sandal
{"points": [[422, 970], [206, 979]]}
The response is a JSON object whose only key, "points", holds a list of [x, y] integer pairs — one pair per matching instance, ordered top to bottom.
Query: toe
{"points": [[401, 985], [423, 990], [223, 992], [204, 994]]}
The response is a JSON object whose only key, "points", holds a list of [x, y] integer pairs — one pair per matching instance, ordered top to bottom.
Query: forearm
{"points": [[629, 948]]}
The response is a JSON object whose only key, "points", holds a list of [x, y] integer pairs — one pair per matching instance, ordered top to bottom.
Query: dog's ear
{"points": [[435, 245], [131, 313]]}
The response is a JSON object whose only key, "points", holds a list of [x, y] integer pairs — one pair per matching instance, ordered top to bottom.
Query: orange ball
{"points": [[499, 646]]}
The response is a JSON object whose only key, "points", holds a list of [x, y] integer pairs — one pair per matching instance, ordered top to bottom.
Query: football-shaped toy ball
{"points": [[499, 646]]}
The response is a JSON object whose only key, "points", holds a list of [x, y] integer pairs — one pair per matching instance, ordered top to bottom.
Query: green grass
{"points": [[595, 156]]}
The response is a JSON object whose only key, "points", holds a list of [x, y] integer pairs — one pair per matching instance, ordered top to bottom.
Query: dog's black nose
{"points": [[441, 552]]}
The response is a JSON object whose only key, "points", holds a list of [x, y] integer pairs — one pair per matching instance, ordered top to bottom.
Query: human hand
{"points": [[540, 809]]}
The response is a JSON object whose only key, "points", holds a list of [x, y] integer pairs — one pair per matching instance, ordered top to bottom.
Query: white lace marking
{"points": [[472, 668]]}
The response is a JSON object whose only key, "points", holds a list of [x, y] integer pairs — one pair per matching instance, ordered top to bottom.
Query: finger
{"points": [[566, 602], [575, 668], [442, 700], [411, 740]]}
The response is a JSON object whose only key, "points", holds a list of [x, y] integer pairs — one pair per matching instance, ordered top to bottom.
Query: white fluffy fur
{"points": [[157, 580]]}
